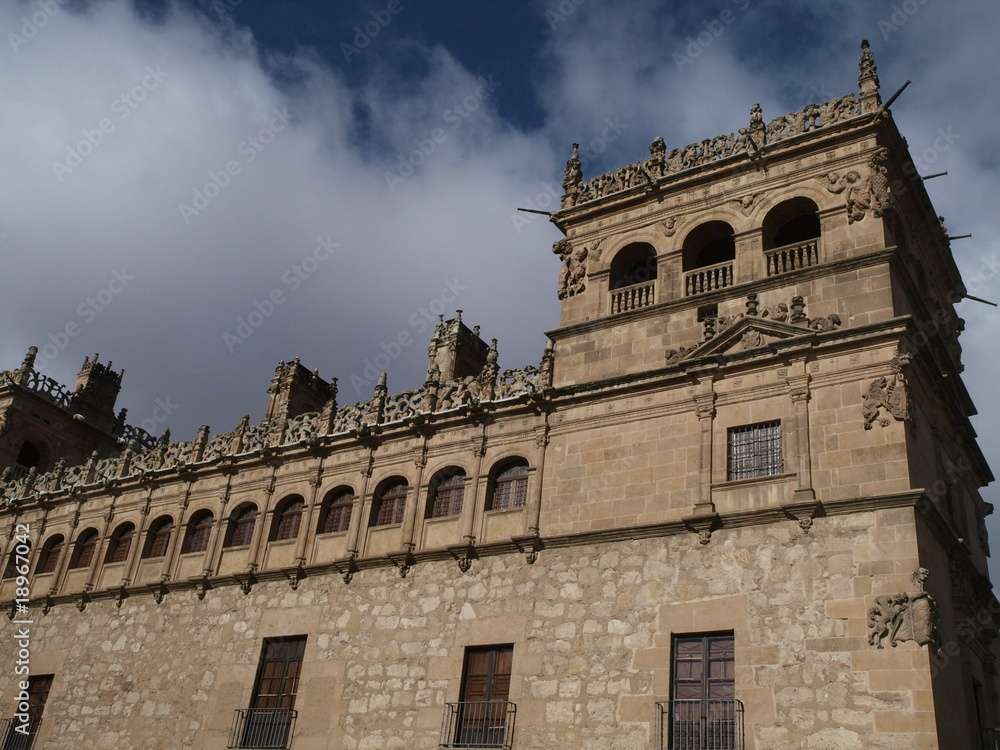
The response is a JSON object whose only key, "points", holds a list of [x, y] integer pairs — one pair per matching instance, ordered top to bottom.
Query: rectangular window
{"points": [[755, 450], [38, 693], [704, 713], [483, 714], [268, 722]]}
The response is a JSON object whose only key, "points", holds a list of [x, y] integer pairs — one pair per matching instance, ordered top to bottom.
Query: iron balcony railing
{"points": [[479, 724], [700, 725], [262, 728], [17, 735]]}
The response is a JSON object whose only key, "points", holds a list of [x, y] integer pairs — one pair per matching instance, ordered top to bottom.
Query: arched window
{"points": [[792, 221], [791, 233], [709, 244], [708, 255], [633, 264], [633, 273], [29, 456], [508, 485], [447, 493], [390, 503], [335, 512], [287, 518], [241, 523], [199, 531], [158, 537], [120, 544], [83, 549], [48, 556], [10, 570]]}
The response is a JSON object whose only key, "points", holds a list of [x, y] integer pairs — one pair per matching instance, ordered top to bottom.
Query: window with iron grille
{"points": [[755, 450], [510, 486], [447, 494], [390, 505], [335, 513], [287, 519], [240, 531], [199, 532], [158, 537], [121, 543], [83, 550], [48, 557], [483, 711], [704, 713], [268, 721], [17, 736]]}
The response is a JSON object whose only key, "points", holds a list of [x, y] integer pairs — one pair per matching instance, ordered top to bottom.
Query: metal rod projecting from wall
{"points": [[895, 96]]}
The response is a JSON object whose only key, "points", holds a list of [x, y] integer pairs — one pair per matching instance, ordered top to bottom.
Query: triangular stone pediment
{"points": [[749, 332]]}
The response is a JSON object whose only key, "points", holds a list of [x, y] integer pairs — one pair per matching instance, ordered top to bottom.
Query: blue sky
{"points": [[117, 115]]}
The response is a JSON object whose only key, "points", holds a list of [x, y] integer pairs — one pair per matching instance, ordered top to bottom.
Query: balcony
{"points": [[792, 257], [708, 279], [633, 297], [478, 724], [699, 725], [262, 729], [15, 740]]}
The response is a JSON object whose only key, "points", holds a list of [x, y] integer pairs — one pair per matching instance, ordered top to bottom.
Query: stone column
{"points": [[749, 263], [798, 392], [705, 409], [472, 507], [412, 508], [363, 509], [534, 509], [264, 518], [307, 531], [102, 538], [139, 541], [173, 551], [213, 554], [63, 565]]}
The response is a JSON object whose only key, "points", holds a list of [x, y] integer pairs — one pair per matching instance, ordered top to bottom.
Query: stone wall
{"points": [[591, 623]]}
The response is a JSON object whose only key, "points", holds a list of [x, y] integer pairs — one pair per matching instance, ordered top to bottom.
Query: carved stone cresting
{"points": [[661, 163], [889, 394], [143, 463], [904, 617]]}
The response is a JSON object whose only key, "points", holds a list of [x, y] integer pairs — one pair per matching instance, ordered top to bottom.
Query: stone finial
{"points": [[868, 79], [572, 177], [752, 303], [27, 366]]}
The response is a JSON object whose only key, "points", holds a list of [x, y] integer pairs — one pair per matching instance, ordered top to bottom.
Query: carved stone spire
{"points": [[868, 80]]}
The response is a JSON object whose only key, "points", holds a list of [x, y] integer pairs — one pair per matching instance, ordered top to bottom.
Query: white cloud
{"points": [[323, 174]]}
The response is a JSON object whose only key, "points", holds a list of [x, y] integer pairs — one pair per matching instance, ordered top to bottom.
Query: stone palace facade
{"points": [[735, 505]]}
